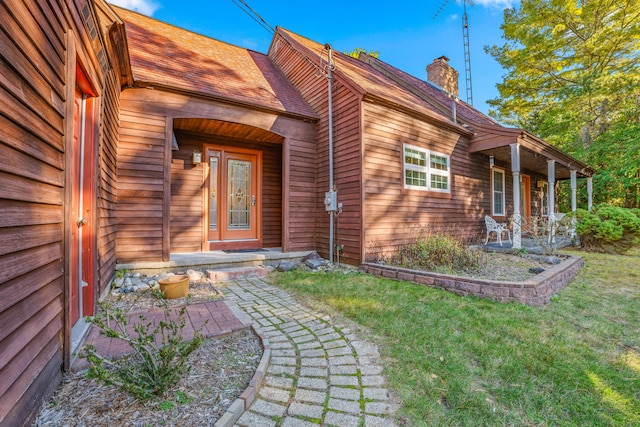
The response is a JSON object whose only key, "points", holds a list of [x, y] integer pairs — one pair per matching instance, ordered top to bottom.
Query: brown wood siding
{"points": [[38, 45], [347, 158], [140, 162], [107, 184], [187, 204], [395, 215]]}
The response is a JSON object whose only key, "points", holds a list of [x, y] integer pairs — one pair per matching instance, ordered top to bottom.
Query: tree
{"points": [[356, 52], [573, 78]]}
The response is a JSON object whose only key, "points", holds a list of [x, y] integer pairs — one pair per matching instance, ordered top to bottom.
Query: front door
{"points": [[233, 198], [82, 205]]}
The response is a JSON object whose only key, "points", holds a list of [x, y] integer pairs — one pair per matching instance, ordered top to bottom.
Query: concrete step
{"points": [[227, 274]]}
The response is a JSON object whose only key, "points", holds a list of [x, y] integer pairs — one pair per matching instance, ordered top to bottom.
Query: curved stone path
{"points": [[319, 372]]}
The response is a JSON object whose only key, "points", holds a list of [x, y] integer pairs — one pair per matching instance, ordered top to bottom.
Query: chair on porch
{"points": [[498, 228]]}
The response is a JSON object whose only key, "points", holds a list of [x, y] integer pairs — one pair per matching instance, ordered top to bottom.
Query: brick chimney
{"points": [[444, 75]]}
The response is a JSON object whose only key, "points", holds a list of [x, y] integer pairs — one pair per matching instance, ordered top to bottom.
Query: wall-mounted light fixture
{"points": [[196, 158], [491, 161]]}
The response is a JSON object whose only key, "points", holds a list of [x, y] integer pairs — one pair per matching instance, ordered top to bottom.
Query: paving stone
{"points": [[292, 327], [323, 329], [297, 333], [329, 337], [303, 338], [335, 344], [276, 345], [309, 345], [365, 348], [339, 351], [282, 352], [318, 352], [342, 360], [291, 361], [315, 361], [281, 369], [343, 369], [368, 369], [313, 372], [343, 380], [373, 380], [278, 381], [315, 383], [344, 393], [375, 393], [277, 394], [312, 396], [350, 406], [376, 408], [269, 409], [313, 411], [250, 419], [341, 420], [373, 421], [297, 422]]}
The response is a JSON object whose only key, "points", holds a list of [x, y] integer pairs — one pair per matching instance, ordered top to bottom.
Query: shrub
{"points": [[608, 229], [438, 251], [159, 356]]}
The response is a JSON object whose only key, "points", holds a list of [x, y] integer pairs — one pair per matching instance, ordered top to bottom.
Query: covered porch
{"points": [[527, 157]]}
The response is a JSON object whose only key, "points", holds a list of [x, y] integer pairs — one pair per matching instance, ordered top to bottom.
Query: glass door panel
{"points": [[239, 207]]}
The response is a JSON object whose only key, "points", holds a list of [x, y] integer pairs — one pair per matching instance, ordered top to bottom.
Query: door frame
{"points": [[239, 243]]}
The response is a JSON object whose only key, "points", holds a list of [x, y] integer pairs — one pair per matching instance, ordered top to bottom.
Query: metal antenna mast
{"points": [[465, 41]]}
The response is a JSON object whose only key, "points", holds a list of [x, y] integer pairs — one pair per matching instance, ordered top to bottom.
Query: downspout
{"points": [[330, 197]]}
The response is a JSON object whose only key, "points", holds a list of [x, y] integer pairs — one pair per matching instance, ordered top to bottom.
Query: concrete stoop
{"points": [[236, 273]]}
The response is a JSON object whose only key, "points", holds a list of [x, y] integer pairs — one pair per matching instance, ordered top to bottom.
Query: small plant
{"points": [[438, 251], [159, 356]]}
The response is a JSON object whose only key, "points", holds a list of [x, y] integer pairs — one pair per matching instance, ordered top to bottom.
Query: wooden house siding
{"points": [[39, 44], [347, 159], [141, 188], [288, 202], [395, 215]]}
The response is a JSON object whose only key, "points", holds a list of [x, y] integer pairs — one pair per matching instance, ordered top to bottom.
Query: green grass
{"points": [[457, 361]]}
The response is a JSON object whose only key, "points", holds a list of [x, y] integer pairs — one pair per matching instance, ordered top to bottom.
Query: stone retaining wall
{"points": [[536, 291]]}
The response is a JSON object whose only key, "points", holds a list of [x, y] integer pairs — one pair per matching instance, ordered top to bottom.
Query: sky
{"points": [[407, 34]]}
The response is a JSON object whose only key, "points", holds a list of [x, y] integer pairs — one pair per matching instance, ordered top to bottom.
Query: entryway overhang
{"points": [[226, 129]]}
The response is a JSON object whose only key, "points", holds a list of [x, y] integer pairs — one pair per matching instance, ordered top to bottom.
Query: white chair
{"points": [[493, 225]]}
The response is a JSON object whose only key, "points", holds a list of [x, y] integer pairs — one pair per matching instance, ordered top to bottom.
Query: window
{"points": [[425, 170], [497, 192], [545, 198]]}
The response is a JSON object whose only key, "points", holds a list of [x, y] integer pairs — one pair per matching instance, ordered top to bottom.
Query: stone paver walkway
{"points": [[319, 372]]}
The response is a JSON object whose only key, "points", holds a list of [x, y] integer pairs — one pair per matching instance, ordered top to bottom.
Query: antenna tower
{"points": [[465, 41]]}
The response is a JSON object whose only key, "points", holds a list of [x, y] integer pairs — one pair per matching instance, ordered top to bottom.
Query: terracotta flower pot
{"points": [[174, 286]]}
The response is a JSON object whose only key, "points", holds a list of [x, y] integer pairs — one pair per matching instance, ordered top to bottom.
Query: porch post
{"points": [[551, 172], [573, 191], [589, 192], [517, 218]]}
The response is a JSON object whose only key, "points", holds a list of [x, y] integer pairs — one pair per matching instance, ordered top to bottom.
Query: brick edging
{"points": [[536, 291], [246, 398]]}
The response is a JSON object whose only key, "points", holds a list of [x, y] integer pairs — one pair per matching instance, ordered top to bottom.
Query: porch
{"points": [[214, 260]]}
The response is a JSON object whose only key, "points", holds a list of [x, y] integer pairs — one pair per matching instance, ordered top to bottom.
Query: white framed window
{"points": [[426, 170], [497, 192], [545, 199]]}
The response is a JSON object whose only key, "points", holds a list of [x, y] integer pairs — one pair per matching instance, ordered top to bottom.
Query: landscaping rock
{"points": [[553, 260], [315, 264], [286, 266], [536, 270]]}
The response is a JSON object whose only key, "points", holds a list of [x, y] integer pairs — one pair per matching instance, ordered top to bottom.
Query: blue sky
{"points": [[405, 33]]}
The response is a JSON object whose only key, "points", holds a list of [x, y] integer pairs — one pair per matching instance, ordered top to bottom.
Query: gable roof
{"points": [[167, 56], [366, 80], [431, 92]]}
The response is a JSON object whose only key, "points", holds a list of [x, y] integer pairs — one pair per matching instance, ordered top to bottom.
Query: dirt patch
{"points": [[221, 371]]}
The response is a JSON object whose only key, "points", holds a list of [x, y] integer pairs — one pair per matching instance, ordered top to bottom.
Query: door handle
{"points": [[253, 200], [81, 221]]}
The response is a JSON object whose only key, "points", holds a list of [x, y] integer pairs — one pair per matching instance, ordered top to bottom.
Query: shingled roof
{"points": [[168, 56], [369, 81]]}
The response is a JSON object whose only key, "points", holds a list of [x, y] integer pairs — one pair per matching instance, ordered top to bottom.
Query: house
{"points": [[123, 138]]}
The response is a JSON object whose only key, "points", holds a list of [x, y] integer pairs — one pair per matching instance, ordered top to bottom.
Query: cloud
{"points": [[496, 4], [146, 7]]}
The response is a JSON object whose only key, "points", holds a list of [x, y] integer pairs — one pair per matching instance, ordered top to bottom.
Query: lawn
{"points": [[472, 362]]}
